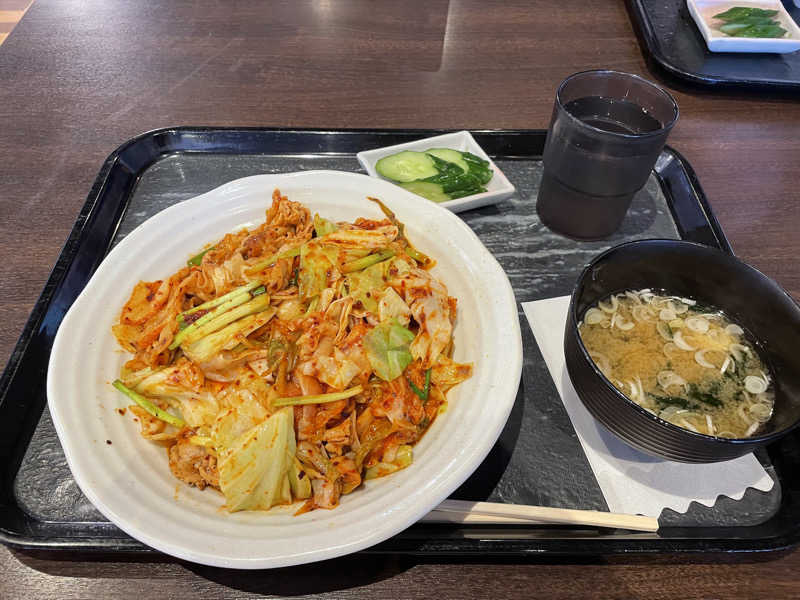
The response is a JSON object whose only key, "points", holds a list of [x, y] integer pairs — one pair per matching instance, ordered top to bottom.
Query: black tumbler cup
{"points": [[607, 131]]}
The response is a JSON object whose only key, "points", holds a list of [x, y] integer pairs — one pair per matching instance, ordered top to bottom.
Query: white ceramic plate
{"points": [[702, 12], [499, 187], [129, 480]]}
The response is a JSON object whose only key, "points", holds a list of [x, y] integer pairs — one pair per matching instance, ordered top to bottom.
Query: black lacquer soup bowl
{"points": [[710, 276]]}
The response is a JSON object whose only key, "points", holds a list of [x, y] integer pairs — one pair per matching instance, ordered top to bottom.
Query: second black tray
{"points": [[671, 42], [537, 458]]}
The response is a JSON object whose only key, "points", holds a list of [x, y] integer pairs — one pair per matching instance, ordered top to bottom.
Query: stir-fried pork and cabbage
{"points": [[291, 361]]}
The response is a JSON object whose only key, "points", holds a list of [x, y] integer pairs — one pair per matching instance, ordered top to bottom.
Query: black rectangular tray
{"points": [[673, 44], [537, 459]]}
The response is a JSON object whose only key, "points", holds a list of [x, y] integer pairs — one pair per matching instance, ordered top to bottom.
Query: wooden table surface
{"points": [[79, 77]]}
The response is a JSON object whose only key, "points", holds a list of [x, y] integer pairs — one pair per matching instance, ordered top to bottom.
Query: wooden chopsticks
{"points": [[491, 513]]}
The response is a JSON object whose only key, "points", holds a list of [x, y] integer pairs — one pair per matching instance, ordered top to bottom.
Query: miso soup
{"points": [[689, 365]]}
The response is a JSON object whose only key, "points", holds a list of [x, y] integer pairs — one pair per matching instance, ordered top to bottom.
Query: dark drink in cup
{"points": [[615, 116], [606, 133]]}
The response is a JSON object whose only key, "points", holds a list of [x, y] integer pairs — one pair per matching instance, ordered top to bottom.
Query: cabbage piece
{"points": [[323, 226], [373, 239], [341, 256], [399, 268], [315, 269], [367, 286], [325, 299], [391, 306], [430, 307], [290, 309], [399, 336], [387, 349], [224, 366], [335, 370], [446, 373], [132, 378], [179, 385], [249, 392], [243, 415], [376, 432], [403, 458], [315, 459], [380, 469], [254, 470], [299, 481]]}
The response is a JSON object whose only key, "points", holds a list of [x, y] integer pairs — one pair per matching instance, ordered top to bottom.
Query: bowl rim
{"points": [[665, 127], [573, 321]]}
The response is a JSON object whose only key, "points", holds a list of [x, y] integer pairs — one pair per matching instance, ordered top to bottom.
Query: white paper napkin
{"points": [[633, 482]]}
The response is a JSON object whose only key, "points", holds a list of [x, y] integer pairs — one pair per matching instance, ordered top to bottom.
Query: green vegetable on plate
{"points": [[741, 12], [750, 22], [762, 31], [407, 166], [438, 174], [431, 191], [323, 227], [198, 258], [367, 261], [214, 321], [204, 348], [387, 350], [426, 389], [318, 398], [148, 405], [257, 469]]}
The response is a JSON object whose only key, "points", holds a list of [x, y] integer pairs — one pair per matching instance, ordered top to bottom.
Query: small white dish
{"points": [[703, 11], [499, 188], [128, 478]]}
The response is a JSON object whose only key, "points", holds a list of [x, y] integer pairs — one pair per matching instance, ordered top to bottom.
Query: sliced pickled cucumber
{"points": [[450, 155], [406, 166], [431, 191]]}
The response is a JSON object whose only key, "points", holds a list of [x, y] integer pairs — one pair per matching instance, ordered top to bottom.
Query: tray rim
{"points": [[651, 46], [483, 540]]}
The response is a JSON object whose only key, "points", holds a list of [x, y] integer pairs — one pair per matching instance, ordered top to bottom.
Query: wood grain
{"points": [[16, 5], [11, 11], [11, 16], [79, 77], [25, 576]]}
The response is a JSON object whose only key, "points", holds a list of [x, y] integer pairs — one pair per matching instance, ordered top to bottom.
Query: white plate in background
{"points": [[702, 12], [499, 187], [129, 480]]}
